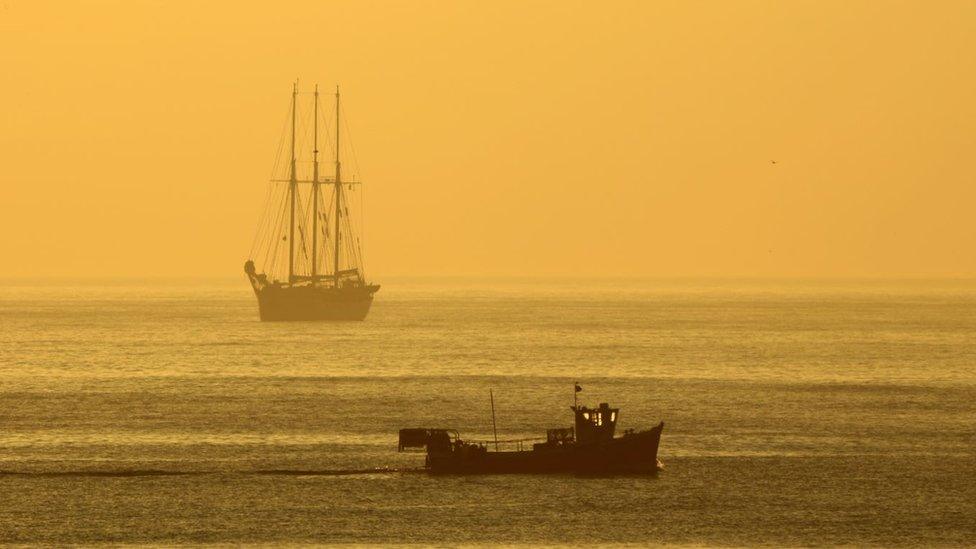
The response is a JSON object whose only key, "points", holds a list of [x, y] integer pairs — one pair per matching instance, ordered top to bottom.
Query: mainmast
{"points": [[292, 189], [315, 190], [338, 190]]}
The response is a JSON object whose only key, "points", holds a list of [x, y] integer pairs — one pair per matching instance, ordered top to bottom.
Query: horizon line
{"points": [[744, 277]]}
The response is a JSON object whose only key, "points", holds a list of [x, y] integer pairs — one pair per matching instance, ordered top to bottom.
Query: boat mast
{"points": [[292, 187], [315, 190], [338, 192], [494, 427]]}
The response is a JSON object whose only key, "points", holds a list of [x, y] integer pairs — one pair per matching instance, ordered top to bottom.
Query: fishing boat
{"points": [[310, 255], [589, 447]]}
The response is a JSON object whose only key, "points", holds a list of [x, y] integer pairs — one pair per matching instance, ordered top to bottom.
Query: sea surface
{"points": [[797, 412]]}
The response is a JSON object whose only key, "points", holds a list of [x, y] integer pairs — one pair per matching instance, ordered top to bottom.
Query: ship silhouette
{"points": [[311, 256], [589, 447]]}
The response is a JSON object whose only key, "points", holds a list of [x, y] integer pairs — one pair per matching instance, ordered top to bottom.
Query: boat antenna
{"points": [[292, 183], [315, 190], [576, 389], [494, 427]]}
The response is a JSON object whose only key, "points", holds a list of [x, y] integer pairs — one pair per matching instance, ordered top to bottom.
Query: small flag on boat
{"points": [[578, 388]]}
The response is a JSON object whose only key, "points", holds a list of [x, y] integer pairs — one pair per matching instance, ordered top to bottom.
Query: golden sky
{"points": [[500, 138]]}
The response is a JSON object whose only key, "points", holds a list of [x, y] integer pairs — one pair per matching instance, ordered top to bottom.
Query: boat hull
{"points": [[284, 303], [631, 453]]}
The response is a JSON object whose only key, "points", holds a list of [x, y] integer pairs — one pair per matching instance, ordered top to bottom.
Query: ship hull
{"points": [[285, 303], [630, 454]]}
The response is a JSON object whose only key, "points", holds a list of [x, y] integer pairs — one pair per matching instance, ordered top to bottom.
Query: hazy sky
{"points": [[514, 138]]}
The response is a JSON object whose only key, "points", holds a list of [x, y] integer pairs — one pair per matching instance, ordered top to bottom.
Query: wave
{"points": [[338, 472], [118, 473], [163, 473]]}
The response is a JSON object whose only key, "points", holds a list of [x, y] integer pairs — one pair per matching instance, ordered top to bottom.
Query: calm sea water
{"points": [[797, 413]]}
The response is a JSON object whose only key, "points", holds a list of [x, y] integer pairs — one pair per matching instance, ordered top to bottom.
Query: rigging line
{"points": [[306, 125], [323, 125], [327, 131], [330, 134], [281, 141], [349, 141], [359, 175], [268, 195], [303, 212], [306, 216], [261, 221], [267, 221], [305, 222], [269, 225], [272, 226], [360, 227], [277, 228], [307, 228], [326, 229], [301, 230], [323, 230], [362, 230], [301, 233], [259, 234], [352, 242], [350, 245], [279, 251], [271, 252], [359, 255]]}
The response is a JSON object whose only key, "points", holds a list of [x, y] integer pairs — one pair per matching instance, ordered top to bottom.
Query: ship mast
{"points": [[292, 188], [315, 190], [338, 191]]}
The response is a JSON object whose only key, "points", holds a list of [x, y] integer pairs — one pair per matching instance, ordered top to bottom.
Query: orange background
{"points": [[500, 138]]}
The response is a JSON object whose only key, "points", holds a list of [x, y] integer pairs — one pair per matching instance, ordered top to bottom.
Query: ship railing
{"points": [[517, 444]]}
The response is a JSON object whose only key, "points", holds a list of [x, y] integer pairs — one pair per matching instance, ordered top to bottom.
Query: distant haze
{"points": [[500, 138]]}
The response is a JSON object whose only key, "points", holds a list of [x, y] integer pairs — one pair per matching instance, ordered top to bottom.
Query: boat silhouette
{"points": [[319, 274], [589, 447]]}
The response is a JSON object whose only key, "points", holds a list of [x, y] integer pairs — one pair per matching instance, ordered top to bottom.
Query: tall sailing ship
{"points": [[308, 252]]}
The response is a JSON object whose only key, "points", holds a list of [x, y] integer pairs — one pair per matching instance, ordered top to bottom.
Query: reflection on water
{"points": [[796, 412]]}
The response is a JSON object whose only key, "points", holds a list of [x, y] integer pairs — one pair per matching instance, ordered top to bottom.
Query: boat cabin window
{"points": [[596, 417]]}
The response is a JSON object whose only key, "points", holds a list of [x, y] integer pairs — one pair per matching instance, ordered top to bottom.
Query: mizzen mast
{"points": [[292, 189], [338, 193]]}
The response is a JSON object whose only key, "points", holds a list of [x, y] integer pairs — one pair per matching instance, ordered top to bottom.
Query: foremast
{"points": [[292, 188]]}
